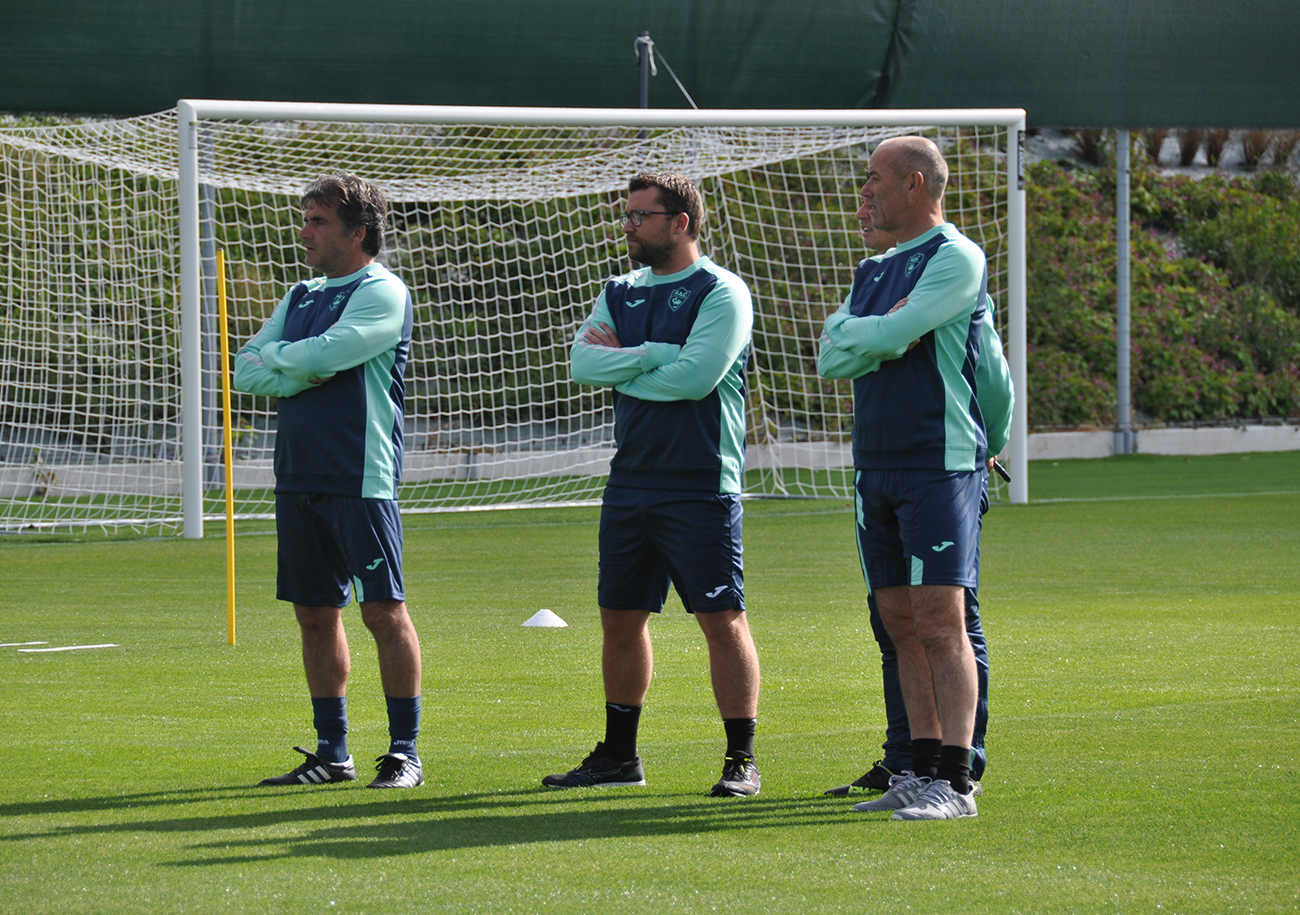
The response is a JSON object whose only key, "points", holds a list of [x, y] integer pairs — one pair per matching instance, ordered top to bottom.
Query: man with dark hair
{"points": [[677, 193], [358, 204], [914, 323], [672, 339], [333, 353], [995, 397]]}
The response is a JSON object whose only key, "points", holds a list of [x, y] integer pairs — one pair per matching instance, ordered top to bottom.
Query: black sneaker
{"points": [[397, 770], [598, 770], [315, 771], [740, 778], [876, 781]]}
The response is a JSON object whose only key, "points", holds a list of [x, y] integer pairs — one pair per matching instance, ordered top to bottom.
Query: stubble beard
{"points": [[651, 255]]}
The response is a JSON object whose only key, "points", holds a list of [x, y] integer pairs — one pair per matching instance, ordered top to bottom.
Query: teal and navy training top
{"points": [[333, 352], [678, 376], [914, 408]]}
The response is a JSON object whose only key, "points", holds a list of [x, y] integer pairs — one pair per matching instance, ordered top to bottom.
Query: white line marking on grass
{"points": [[1192, 495], [16, 644], [72, 647]]}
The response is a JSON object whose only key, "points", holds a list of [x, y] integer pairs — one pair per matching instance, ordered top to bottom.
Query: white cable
{"points": [[650, 45]]}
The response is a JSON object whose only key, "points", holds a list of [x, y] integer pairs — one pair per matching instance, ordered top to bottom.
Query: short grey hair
{"points": [[919, 154]]}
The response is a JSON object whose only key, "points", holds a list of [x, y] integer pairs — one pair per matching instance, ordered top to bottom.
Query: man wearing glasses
{"points": [[672, 339]]}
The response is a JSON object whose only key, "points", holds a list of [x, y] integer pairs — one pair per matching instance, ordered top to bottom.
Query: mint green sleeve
{"points": [[947, 289], [370, 325], [719, 335], [833, 362], [607, 366], [251, 373], [993, 387]]}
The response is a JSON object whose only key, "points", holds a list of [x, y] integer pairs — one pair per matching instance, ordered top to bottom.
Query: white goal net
{"points": [[504, 230]]}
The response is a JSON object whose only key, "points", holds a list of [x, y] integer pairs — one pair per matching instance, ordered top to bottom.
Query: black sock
{"points": [[330, 718], [621, 722], [403, 725], [740, 736], [925, 756], [954, 765]]}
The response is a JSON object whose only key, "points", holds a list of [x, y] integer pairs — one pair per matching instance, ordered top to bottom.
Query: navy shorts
{"points": [[918, 527], [649, 537], [331, 546]]}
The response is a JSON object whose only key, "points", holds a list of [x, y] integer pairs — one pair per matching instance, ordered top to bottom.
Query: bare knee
{"points": [[895, 607], [939, 616], [384, 617], [318, 621], [624, 627], [724, 628]]}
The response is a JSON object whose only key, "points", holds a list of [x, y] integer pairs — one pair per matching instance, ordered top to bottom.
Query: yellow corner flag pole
{"points": [[229, 461]]}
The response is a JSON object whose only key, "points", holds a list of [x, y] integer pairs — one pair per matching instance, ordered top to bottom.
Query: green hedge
{"points": [[1215, 297]]}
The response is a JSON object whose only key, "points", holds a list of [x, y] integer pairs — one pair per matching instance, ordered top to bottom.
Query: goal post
{"points": [[501, 224]]}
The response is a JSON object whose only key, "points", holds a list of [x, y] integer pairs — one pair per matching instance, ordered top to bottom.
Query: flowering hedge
{"points": [[1215, 297]]}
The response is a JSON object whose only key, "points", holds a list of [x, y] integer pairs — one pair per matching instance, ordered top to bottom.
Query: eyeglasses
{"points": [[635, 216]]}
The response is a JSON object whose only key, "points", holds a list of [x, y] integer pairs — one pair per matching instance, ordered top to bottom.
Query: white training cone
{"points": [[545, 617]]}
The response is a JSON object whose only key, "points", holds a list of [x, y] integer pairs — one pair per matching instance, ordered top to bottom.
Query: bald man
{"points": [[909, 335]]}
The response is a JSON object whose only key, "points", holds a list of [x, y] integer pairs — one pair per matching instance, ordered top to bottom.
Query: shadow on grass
{"points": [[338, 826]]}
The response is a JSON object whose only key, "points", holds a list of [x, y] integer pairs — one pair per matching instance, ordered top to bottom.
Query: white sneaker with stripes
{"points": [[315, 771], [903, 790], [939, 801]]}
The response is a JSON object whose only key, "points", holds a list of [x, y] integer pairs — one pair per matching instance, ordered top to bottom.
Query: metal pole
{"points": [[643, 71], [208, 318], [191, 323], [1017, 332], [1124, 430]]}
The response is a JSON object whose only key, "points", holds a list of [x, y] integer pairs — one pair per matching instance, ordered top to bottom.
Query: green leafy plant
{"points": [[1215, 297]]}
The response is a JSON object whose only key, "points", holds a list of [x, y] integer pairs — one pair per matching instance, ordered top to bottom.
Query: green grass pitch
{"points": [[1142, 619]]}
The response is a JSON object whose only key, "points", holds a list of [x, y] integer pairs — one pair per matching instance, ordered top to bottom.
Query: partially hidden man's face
{"points": [[872, 237], [653, 243], [328, 246]]}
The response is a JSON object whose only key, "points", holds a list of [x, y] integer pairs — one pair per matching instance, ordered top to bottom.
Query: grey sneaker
{"points": [[397, 770], [598, 770], [315, 771], [740, 778], [875, 781], [903, 790], [939, 802]]}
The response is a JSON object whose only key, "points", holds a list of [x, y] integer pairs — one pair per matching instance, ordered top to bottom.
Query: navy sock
{"points": [[330, 718], [621, 723], [403, 725], [740, 736], [925, 756], [954, 765]]}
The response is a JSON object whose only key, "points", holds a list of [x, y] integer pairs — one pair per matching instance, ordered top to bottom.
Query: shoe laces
{"points": [[598, 757], [311, 762], [390, 765], [736, 768], [938, 791]]}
